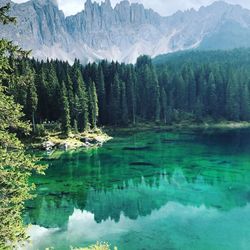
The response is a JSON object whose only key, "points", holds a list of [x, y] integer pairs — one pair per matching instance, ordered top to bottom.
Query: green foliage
{"points": [[203, 85], [119, 94], [101, 95], [32, 99], [81, 99], [115, 100], [232, 100], [93, 105], [124, 105], [65, 112], [40, 130], [15, 165], [15, 169]]}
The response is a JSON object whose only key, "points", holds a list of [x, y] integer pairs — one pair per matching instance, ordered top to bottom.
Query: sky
{"points": [[163, 7]]}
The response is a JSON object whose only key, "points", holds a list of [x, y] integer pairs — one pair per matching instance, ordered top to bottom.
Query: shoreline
{"points": [[225, 125], [96, 138]]}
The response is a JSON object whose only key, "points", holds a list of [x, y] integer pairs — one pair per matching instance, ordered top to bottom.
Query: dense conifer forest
{"points": [[192, 86]]}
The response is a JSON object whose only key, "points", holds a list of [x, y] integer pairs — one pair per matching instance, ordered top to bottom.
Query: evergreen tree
{"points": [[142, 68], [100, 86], [17, 87], [191, 88], [53, 91], [220, 91], [180, 92], [132, 93], [211, 95], [156, 96], [115, 97], [71, 98], [81, 100], [232, 100], [32, 101], [244, 103], [43, 104], [93, 105], [124, 105], [164, 105], [82, 107], [199, 109], [65, 112], [15, 165]]}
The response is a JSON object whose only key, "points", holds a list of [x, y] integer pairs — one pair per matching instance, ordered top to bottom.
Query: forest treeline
{"points": [[181, 88]]}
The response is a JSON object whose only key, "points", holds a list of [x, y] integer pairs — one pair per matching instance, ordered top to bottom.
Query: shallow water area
{"points": [[147, 190]]}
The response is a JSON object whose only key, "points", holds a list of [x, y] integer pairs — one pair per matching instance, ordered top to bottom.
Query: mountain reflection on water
{"points": [[154, 190]]}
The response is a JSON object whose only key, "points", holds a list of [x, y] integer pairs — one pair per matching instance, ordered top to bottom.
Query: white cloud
{"points": [[164, 7], [174, 221]]}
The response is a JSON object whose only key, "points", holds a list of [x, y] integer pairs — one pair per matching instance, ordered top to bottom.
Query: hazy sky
{"points": [[164, 7]]}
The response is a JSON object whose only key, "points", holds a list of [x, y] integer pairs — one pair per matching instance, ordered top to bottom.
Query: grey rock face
{"points": [[124, 32]]}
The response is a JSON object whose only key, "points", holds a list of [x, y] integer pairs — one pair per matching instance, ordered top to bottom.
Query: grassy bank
{"points": [[53, 139]]}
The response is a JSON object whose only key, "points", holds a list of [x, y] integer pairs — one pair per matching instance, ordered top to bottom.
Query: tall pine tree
{"points": [[93, 105], [65, 112]]}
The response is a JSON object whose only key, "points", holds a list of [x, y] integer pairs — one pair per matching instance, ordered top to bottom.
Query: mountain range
{"points": [[124, 32]]}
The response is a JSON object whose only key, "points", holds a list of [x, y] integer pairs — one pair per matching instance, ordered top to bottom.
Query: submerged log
{"points": [[136, 148], [141, 164]]}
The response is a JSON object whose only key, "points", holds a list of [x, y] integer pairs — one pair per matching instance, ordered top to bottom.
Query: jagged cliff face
{"points": [[124, 32], [115, 34]]}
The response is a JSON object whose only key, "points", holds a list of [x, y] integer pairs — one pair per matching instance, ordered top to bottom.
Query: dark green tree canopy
{"points": [[15, 165]]}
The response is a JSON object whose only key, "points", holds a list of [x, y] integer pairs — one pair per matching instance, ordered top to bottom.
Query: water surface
{"points": [[147, 190]]}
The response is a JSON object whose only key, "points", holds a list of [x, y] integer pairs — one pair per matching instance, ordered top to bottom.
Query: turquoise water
{"points": [[147, 190]]}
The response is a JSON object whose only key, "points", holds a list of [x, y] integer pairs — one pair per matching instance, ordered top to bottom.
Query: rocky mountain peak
{"points": [[3, 2], [46, 2], [88, 5], [106, 5], [124, 32]]}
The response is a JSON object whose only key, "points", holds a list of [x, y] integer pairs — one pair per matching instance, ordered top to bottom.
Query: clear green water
{"points": [[148, 191]]}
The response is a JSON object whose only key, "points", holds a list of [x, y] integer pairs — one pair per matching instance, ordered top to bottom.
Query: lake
{"points": [[148, 190]]}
